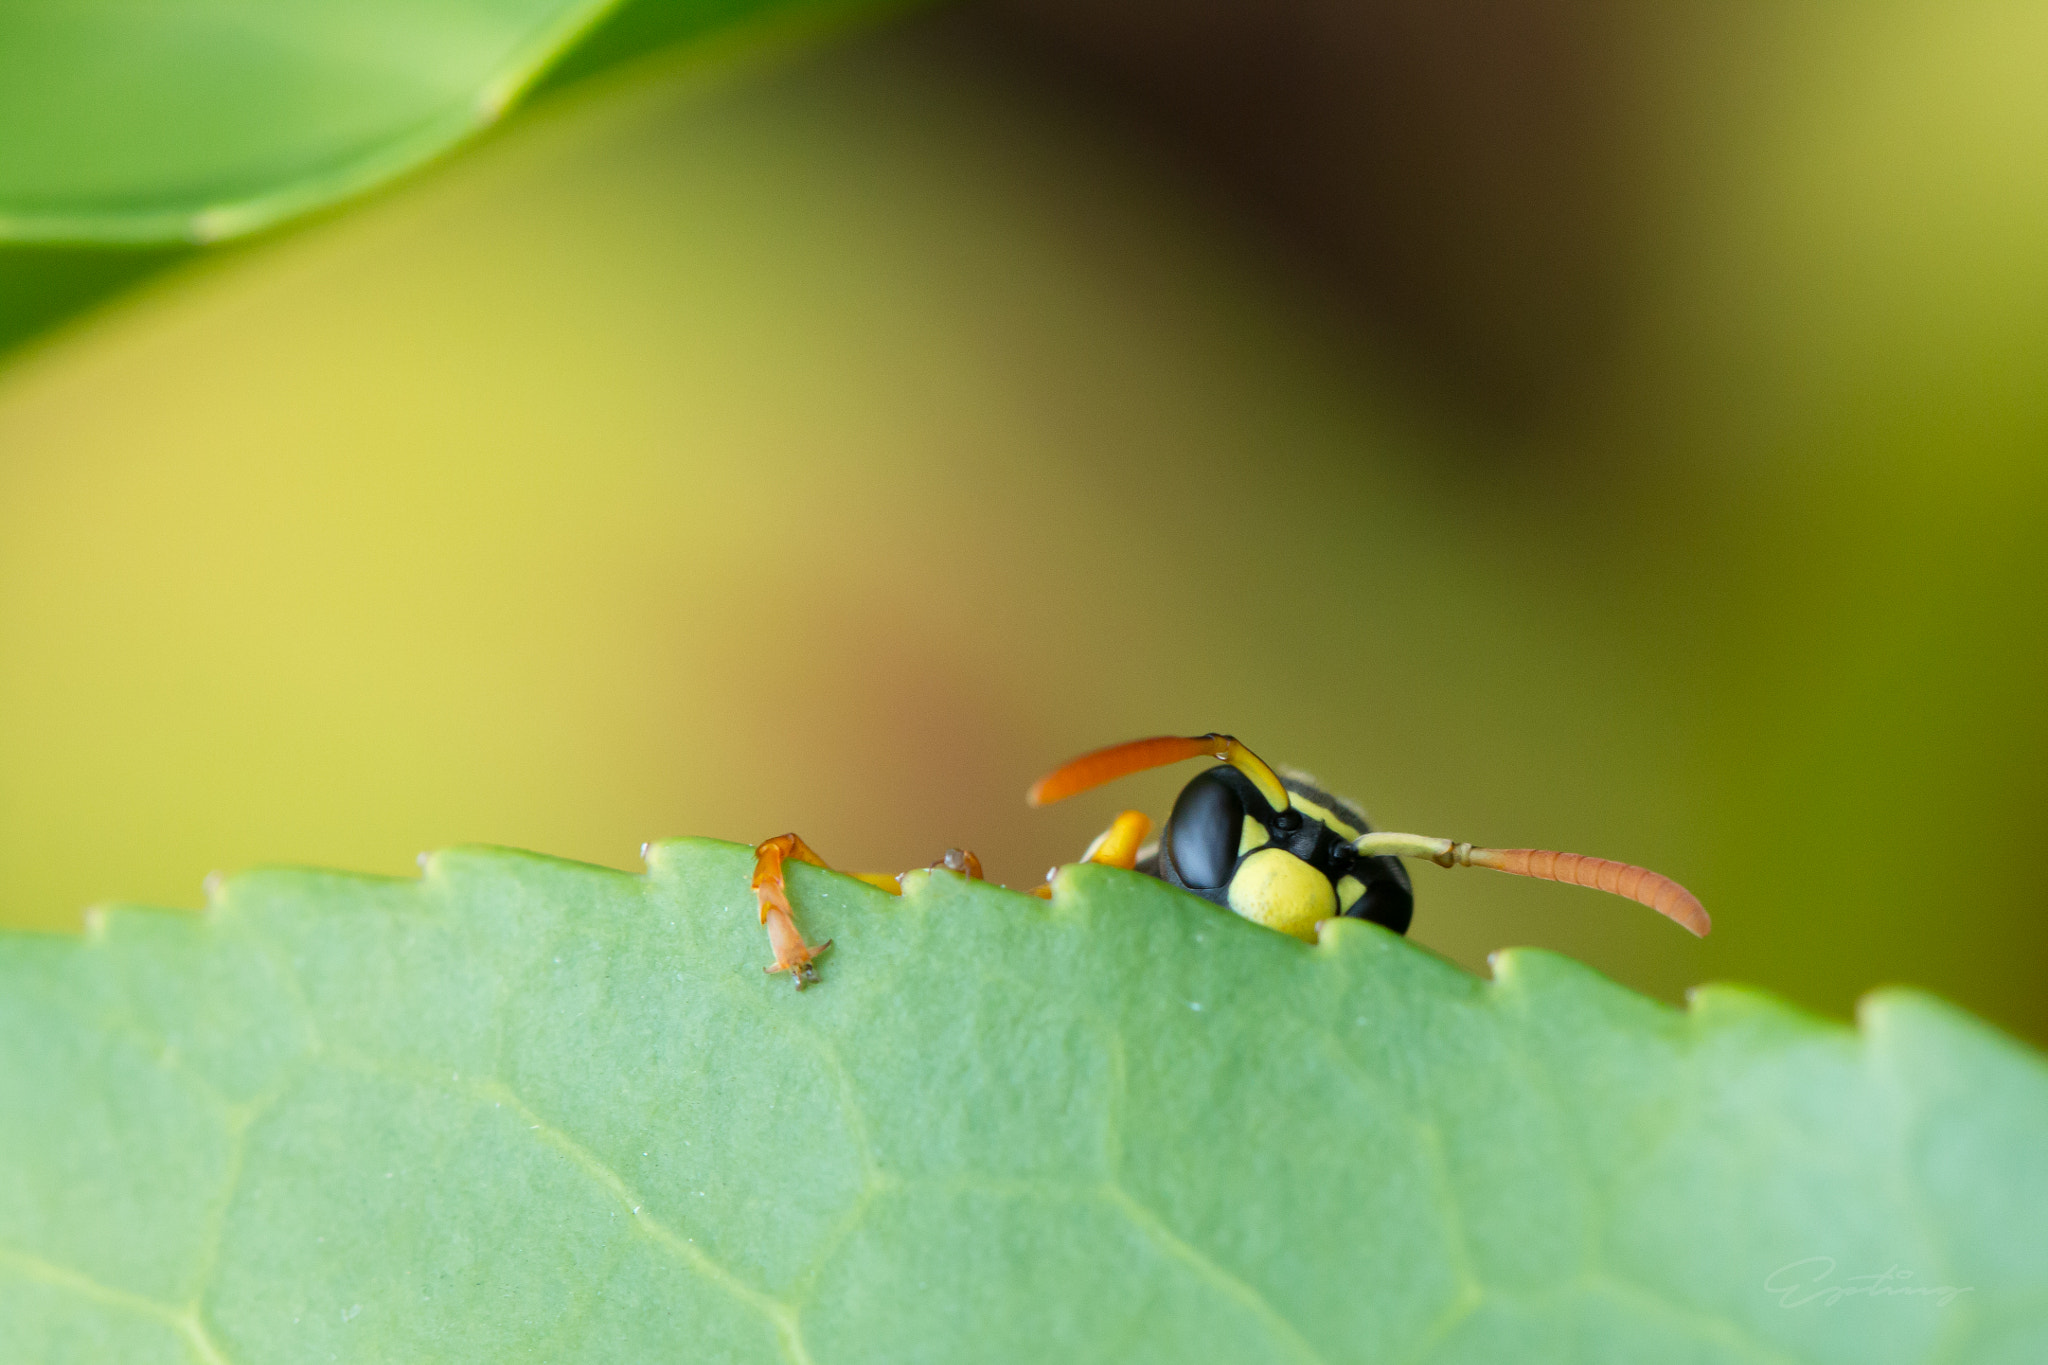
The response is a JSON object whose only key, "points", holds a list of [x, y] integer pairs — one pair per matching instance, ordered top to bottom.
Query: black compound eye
{"points": [[1203, 832]]}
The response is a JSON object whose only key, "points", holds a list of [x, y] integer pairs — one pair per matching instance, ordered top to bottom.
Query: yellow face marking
{"points": [[1322, 813], [1253, 837], [1349, 889], [1280, 891]]}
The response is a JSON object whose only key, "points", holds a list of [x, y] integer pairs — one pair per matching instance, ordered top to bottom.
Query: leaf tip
{"points": [[219, 223], [657, 856], [214, 890], [1343, 934], [1524, 968], [1725, 1006], [1899, 1018]]}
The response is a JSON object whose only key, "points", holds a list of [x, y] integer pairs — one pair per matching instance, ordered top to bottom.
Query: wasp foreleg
{"points": [[1117, 846], [792, 954]]}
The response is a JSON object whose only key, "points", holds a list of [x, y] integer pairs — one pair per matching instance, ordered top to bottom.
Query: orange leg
{"points": [[1116, 846], [792, 954]]}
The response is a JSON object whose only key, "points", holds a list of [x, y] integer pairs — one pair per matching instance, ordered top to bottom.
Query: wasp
{"points": [[1268, 845]]}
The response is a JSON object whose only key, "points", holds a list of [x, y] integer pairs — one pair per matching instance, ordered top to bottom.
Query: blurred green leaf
{"points": [[184, 121], [151, 129], [42, 285], [527, 1109]]}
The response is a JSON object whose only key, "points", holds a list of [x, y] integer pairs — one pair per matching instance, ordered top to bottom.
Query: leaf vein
{"points": [[1171, 1245], [782, 1316], [183, 1320]]}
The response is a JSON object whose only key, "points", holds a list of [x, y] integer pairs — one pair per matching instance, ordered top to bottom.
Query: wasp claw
{"points": [[960, 860], [799, 963]]}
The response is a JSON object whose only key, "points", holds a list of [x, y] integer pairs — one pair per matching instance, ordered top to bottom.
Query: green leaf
{"points": [[192, 120], [150, 129], [531, 1110]]}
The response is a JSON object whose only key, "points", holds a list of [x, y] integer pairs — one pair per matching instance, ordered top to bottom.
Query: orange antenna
{"points": [[1121, 760], [1653, 889]]}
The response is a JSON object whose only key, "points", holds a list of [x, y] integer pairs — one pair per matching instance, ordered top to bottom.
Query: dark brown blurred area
{"points": [[1453, 174]]}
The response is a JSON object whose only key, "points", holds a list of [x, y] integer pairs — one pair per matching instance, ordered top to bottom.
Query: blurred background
{"points": [[1553, 424]]}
